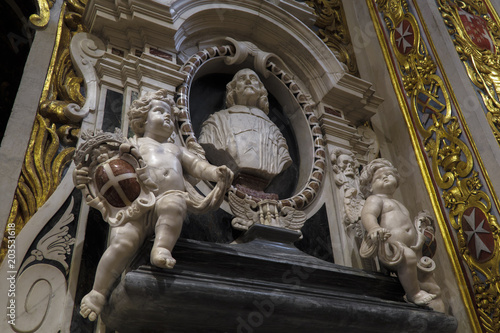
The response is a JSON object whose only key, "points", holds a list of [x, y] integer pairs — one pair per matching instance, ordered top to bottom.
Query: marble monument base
{"points": [[262, 285]]}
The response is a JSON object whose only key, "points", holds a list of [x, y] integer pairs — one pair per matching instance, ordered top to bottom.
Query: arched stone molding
{"points": [[271, 26], [274, 29]]}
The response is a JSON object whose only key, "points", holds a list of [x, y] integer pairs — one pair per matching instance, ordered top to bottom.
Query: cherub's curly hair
{"points": [[263, 102], [138, 112], [365, 180]]}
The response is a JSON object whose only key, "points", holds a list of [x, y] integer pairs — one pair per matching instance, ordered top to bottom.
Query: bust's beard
{"points": [[248, 99]]}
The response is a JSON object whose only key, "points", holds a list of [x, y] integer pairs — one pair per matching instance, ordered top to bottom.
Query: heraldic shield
{"points": [[112, 176]]}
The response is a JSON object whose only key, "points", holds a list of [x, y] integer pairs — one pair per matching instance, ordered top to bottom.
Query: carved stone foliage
{"points": [[41, 19], [456, 174], [55, 245]]}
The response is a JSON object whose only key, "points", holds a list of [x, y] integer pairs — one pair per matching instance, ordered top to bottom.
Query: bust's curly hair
{"points": [[263, 102], [138, 112], [365, 180]]}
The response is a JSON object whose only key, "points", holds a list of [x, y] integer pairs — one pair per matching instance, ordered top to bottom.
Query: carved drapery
{"points": [[56, 127], [453, 171]]}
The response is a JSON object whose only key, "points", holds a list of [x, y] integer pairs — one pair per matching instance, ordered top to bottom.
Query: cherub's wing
{"points": [[245, 211], [292, 218]]}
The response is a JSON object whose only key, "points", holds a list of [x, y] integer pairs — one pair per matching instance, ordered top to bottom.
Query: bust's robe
{"points": [[247, 141]]}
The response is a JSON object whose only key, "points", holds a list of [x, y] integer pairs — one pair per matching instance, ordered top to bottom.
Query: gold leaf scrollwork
{"points": [[41, 19], [334, 32], [481, 63], [63, 86], [54, 135], [451, 159], [41, 173], [465, 194]]}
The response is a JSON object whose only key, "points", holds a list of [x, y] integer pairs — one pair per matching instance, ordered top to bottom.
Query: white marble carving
{"points": [[85, 49], [245, 49], [242, 136], [369, 138], [98, 149], [346, 169], [308, 183], [139, 186], [267, 212], [394, 238], [56, 244], [41, 292], [42, 295]]}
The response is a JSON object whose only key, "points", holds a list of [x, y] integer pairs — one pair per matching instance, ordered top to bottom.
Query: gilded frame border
{"points": [[453, 172]]}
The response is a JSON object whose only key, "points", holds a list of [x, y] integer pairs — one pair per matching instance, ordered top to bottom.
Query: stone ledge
{"points": [[261, 286]]}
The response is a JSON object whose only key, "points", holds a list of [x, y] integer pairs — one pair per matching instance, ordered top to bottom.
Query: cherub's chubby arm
{"points": [[201, 169], [369, 217]]}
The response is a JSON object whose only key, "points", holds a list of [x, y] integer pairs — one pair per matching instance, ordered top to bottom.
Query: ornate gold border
{"points": [[334, 32], [481, 65], [53, 137], [459, 186]]}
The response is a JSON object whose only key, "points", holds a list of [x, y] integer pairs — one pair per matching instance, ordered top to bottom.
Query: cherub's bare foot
{"points": [[161, 257], [421, 298], [92, 304]]}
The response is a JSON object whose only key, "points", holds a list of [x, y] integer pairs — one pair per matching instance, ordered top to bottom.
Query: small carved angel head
{"points": [[246, 89], [138, 112], [101, 154], [344, 162], [369, 171]]}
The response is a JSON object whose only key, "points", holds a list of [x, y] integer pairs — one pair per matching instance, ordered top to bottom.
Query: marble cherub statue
{"points": [[243, 137], [161, 172], [391, 231]]}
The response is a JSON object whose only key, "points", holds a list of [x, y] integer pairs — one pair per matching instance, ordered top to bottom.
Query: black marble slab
{"points": [[262, 285]]}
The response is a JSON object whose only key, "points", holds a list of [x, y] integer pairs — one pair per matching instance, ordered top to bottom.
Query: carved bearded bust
{"points": [[242, 136]]}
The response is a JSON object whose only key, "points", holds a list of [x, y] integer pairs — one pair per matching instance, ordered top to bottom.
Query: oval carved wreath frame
{"points": [[309, 192]]}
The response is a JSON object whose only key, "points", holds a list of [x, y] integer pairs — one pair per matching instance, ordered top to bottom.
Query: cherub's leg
{"points": [[171, 210], [124, 243], [407, 274], [429, 284]]}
